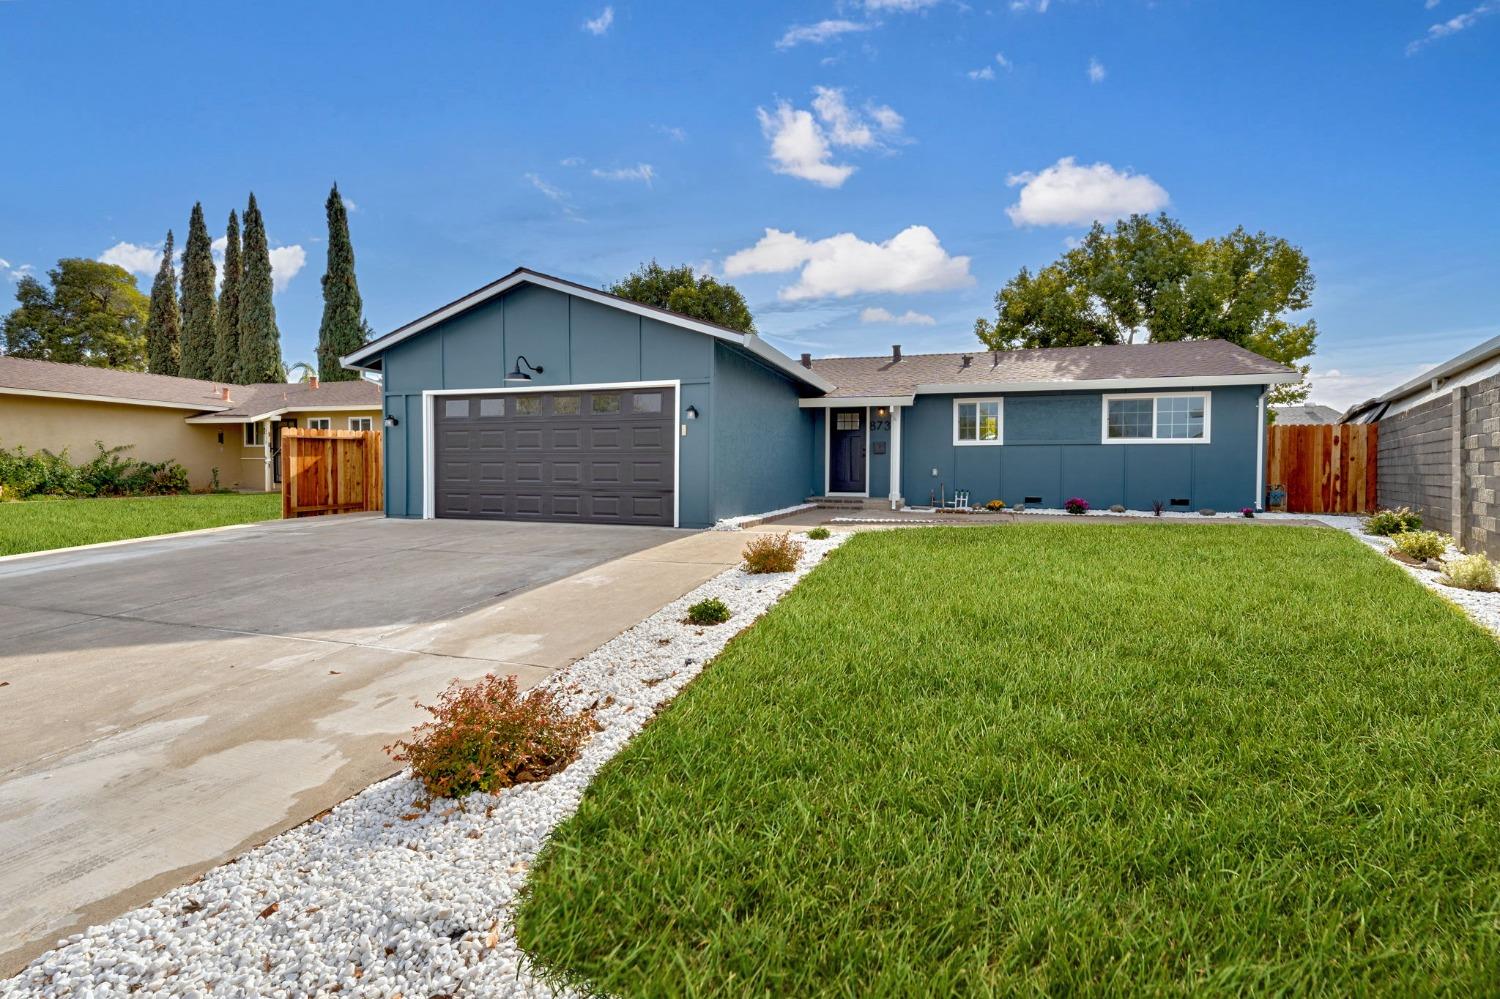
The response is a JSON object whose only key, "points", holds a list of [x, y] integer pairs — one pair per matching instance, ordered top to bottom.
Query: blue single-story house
{"points": [[535, 398]]}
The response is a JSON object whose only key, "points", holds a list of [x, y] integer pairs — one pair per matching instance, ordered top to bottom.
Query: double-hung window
{"points": [[1167, 418], [977, 421], [319, 423], [364, 423]]}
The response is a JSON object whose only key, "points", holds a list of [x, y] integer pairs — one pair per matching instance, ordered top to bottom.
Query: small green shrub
{"points": [[43, 473], [995, 505], [1385, 523], [819, 534], [1421, 545], [772, 553], [1472, 572], [712, 611], [489, 735]]}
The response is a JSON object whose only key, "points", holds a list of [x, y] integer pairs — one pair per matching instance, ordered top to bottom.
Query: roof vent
{"points": [[895, 352], [968, 359], [807, 360], [312, 381], [222, 392]]}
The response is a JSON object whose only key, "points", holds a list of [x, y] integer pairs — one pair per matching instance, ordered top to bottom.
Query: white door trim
{"points": [[828, 449], [429, 450]]}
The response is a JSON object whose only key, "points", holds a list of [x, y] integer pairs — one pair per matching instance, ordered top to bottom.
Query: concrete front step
{"points": [[849, 503]]}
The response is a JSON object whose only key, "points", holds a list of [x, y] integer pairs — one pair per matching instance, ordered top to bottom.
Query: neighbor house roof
{"points": [[368, 356], [1185, 363], [1472, 365], [24, 376], [258, 402], [1291, 416]]}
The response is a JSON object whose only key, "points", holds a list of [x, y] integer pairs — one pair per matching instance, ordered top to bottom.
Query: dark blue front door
{"points": [[846, 451]]}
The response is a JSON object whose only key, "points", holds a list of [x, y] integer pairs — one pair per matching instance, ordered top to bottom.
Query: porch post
{"points": [[895, 471], [270, 477]]}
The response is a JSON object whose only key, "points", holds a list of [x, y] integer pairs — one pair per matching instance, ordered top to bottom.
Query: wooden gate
{"points": [[1323, 468], [330, 471]]}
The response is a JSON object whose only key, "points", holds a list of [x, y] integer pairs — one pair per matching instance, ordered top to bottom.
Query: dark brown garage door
{"points": [[600, 456]]}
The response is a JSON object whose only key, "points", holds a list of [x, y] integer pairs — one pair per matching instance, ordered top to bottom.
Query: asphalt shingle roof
{"points": [[1186, 359], [27, 375]]}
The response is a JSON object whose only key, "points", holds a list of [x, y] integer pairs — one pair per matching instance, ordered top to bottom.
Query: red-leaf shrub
{"points": [[1077, 505], [772, 553], [488, 735]]}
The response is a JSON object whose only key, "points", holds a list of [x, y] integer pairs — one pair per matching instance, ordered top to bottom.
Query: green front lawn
{"points": [[37, 525], [1156, 759]]}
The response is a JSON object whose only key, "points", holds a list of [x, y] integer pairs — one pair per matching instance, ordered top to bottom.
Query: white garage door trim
{"points": [[429, 448]]}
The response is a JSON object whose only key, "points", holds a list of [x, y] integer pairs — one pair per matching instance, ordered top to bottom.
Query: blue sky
{"points": [[906, 156]]}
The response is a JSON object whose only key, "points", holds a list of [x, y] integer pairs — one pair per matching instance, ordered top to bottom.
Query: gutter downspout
{"points": [[1260, 450]]}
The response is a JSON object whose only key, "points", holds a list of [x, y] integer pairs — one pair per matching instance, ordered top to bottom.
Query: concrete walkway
{"points": [[170, 703]]}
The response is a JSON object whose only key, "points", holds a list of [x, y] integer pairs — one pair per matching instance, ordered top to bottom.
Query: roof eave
{"points": [[1087, 384], [116, 400]]}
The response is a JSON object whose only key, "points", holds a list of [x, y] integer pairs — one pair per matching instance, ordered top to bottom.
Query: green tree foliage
{"points": [[1149, 279], [678, 289], [197, 300], [93, 314], [227, 318], [163, 323], [343, 328], [260, 340]]}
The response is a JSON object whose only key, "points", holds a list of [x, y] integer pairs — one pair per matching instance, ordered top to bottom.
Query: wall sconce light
{"points": [[517, 375], [691, 412], [881, 412], [391, 421]]}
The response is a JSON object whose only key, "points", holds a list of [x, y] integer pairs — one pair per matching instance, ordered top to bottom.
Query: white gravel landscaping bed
{"points": [[751, 519], [380, 897]]}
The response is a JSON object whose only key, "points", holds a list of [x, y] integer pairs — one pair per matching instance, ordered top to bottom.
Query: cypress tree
{"points": [[197, 300], [227, 318], [163, 325], [343, 328], [260, 340]]}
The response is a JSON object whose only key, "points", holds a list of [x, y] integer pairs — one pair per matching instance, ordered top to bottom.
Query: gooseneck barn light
{"points": [[517, 375]]}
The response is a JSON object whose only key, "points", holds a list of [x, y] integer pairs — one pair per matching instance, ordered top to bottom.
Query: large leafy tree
{"points": [[1149, 279], [680, 290], [197, 300], [93, 314], [164, 323], [343, 329], [260, 340], [226, 362]]}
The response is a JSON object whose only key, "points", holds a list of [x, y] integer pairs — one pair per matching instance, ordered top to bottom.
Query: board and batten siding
{"points": [[749, 435], [1052, 449]]}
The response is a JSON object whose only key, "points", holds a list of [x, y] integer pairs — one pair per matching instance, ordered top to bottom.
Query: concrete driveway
{"points": [[169, 703]]}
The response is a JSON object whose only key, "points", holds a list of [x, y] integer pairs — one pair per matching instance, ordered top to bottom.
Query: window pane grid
{"points": [[1130, 418], [1179, 419]]}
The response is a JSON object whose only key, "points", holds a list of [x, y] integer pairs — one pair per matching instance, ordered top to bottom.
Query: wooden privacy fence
{"points": [[1323, 468], [330, 471]]}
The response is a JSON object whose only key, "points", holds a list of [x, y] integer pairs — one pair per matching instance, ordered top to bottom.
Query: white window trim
{"points": [[1000, 403], [1208, 406], [355, 419], [327, 423], [429, 431], [245, 436]]}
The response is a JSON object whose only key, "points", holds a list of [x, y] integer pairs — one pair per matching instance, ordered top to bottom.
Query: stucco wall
{"points": [[575, 342], [158, 434], [762, 439], [1052, 450]]}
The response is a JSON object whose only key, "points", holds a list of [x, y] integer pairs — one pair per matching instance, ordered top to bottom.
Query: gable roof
{"points": [[368, 357], [1183, 363], [25, 376]]}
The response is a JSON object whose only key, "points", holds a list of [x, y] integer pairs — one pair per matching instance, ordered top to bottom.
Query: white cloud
{"points": [[1431, 4], [902, 6], [1040, 6], [599, 25], [1452, 26], [819, 33], [1003, 62], [1096, 71], [986, 73], [672, 132], [802, 144], [798, 146], [569, 161], [642, 172], [550, 192], [1068, 194], [349, 205], [133, 257], [286, 261], [911, 261], [15, 272], [908, 318]]}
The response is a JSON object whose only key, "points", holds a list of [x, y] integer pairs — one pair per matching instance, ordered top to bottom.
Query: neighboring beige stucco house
{"points": [[202, 424]]}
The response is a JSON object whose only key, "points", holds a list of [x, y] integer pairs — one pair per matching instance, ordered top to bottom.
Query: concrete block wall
{"points": [[1415, 463], [1479, 466]]}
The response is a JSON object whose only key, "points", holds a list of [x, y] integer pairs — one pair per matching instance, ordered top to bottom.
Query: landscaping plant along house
{"points": [[535, 398]]}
